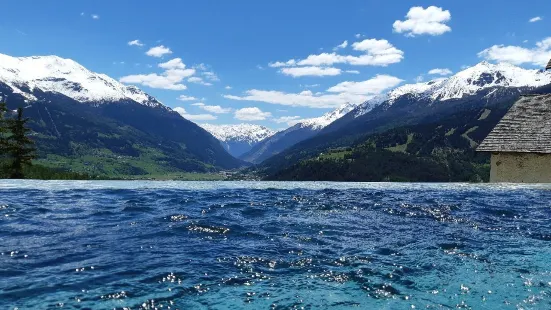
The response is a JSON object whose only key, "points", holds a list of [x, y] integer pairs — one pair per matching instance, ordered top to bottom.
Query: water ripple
{"points": [[276, 245]]}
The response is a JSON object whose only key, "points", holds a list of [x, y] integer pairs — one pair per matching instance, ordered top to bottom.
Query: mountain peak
{"points": [[483, 63], [486, 75], [65, 76], [480, 76], [464, 83], [327, 118], [250, 133]]}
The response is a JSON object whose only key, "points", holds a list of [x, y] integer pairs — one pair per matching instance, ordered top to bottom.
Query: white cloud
{"points": [[82, 14], [94, 16], [535, 19], [431, 21], [358, 35], [136, 43], [342, 45], [376, 47], [158, 51], [375, 53], [517, 55], [323, 59], [363, 60], [175, 63], [277, 64], [200, 67], [259, 67], [310, 71], [353, 71], [439, 71], [206, 72], [211, 76], [170, 79], [419, 79], [198, 80], [309, 85], [375, 85], [228, 87], [186, 98], [333, 98], [302, 99], [212, 108], [216, 109], [251, 114], [194, 117], [289, 120]]}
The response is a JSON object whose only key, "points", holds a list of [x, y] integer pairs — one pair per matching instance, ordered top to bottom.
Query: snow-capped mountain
{"points": [[486, 75], [65, 76], [468, 82], [485, 87], [75, 113], [327, 118], [302, 130], [249, 133], [240, 138]]}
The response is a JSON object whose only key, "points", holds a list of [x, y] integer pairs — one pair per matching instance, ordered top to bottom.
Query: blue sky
{"points": [[229, 50]]}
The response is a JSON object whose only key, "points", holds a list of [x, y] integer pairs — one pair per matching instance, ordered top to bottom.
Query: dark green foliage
{"points": [[404, 112], [3, 129], [3, 138], [117, 139], [20, 147], [17, 151], [442, 151], [369, 165], [44, 173]]}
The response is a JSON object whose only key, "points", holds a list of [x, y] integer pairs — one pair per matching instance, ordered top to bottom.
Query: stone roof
{"points": [[526, 128]]}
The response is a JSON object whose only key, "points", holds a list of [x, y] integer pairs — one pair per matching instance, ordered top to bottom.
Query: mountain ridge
{"points": [[65, 76], [467, 82], [477, 86], [87, 122], [300, 131], [238, 139]]}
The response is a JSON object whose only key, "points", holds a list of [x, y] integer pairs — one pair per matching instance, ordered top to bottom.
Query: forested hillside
{"points": [[442, 151]]}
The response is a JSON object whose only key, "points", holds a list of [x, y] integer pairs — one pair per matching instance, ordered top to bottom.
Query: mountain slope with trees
{"points": [[478, 87], [89, 123], [301, 131], [441, 151]]}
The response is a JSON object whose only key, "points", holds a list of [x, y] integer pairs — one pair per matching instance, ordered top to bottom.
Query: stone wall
{"points": [[521, 168]]}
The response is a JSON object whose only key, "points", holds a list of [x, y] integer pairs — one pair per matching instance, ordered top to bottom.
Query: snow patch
{"points": [[67, 77], [465, 83], [327, 118], [249, 133]]}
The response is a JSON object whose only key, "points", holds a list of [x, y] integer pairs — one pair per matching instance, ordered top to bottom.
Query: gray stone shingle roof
{"points": [[526, 128]]}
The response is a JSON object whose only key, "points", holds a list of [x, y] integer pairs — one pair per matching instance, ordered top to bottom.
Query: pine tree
{"points": [[3, 129], [3, 139], [20, 147]]}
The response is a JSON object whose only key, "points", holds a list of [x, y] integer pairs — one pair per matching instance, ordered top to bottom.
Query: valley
{"points": [[85, 122]]}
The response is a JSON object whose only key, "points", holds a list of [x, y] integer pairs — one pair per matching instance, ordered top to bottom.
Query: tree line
{"points": [[17, 150]]}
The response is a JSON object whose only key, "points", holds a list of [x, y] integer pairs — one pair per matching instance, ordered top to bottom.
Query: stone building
{"points": [[520, 143]]}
